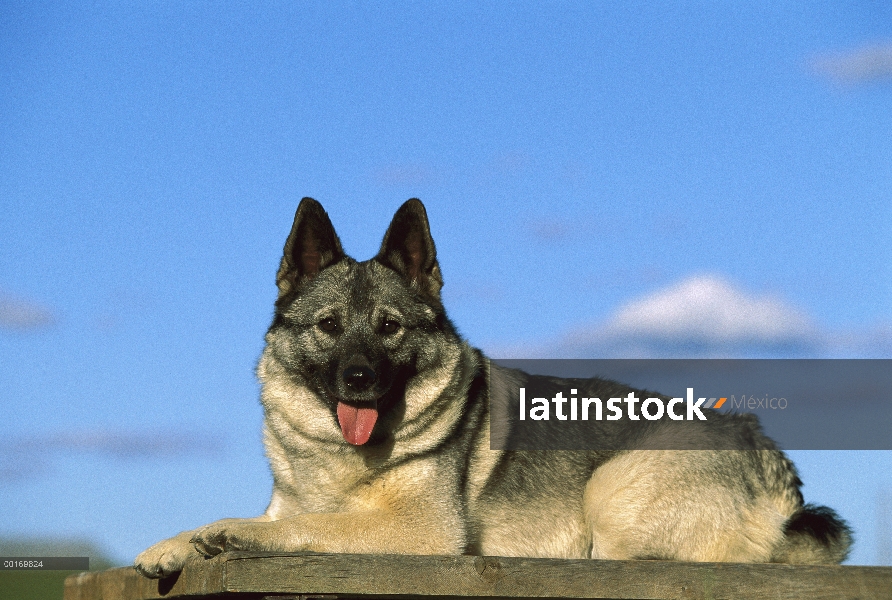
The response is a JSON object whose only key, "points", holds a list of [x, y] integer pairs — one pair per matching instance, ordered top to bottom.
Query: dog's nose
{"points": [[359, 377]]}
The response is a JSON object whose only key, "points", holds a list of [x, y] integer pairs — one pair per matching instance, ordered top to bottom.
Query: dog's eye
{"points": [[329, 325], [390, 326]]}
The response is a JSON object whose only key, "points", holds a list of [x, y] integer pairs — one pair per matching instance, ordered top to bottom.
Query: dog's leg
{"points": [[670, 505], [371, 531], [168, 557]]}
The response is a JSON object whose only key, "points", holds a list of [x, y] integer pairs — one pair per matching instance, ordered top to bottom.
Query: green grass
{"points": [[32, 585], [44, 585]]}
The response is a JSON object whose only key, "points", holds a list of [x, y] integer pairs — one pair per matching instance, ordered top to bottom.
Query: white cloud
{"points": [[860, 65], [401, 175], [550, 230], [467, 290], [708, 309], [22, 315], [702, 316], [121, 444], [23, 457]]}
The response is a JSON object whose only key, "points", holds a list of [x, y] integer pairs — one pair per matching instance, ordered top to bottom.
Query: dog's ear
{"points": [[311, 246], [408, 249]]}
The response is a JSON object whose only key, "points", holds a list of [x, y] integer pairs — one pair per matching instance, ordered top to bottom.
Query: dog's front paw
{"points": [[219, 537], [165, 558]]}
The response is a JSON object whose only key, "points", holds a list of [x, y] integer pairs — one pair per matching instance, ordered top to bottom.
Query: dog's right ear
{"points": [[312, 246]]}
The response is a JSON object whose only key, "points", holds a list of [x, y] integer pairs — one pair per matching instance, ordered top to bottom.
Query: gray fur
{"points": [[353, 339]]}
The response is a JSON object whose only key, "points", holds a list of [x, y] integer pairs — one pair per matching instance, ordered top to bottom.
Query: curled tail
{"points": [[814, 535]]}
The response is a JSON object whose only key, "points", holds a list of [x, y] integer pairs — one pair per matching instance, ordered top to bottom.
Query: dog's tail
{"points": [[814, 535]]}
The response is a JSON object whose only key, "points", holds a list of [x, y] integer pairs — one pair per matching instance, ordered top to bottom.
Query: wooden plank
{"points": [[241, 573], [200, 577]]}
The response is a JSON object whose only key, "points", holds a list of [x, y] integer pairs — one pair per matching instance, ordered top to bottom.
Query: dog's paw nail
{"points": [[206, 549], [151, 573]]}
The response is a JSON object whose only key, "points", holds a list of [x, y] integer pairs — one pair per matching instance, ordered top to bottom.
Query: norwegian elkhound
{"points": [[377, 430]]}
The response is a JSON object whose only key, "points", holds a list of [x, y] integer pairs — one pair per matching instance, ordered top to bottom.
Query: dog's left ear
{"points": [[408, 249]]}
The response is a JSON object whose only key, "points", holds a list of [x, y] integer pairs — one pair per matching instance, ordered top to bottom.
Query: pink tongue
{"points": [[356, 423]]}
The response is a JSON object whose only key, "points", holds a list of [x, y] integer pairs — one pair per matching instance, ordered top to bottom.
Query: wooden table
{"points": [[252, 575]]}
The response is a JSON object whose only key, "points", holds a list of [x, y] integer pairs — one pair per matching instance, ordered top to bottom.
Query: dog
{"points": [[377, 430]]}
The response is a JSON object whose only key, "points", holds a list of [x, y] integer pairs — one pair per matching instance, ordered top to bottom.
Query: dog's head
{"points": [[355, 333]]}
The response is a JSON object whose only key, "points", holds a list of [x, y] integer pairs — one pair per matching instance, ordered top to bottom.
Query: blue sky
{"points": [[601, 180]]}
